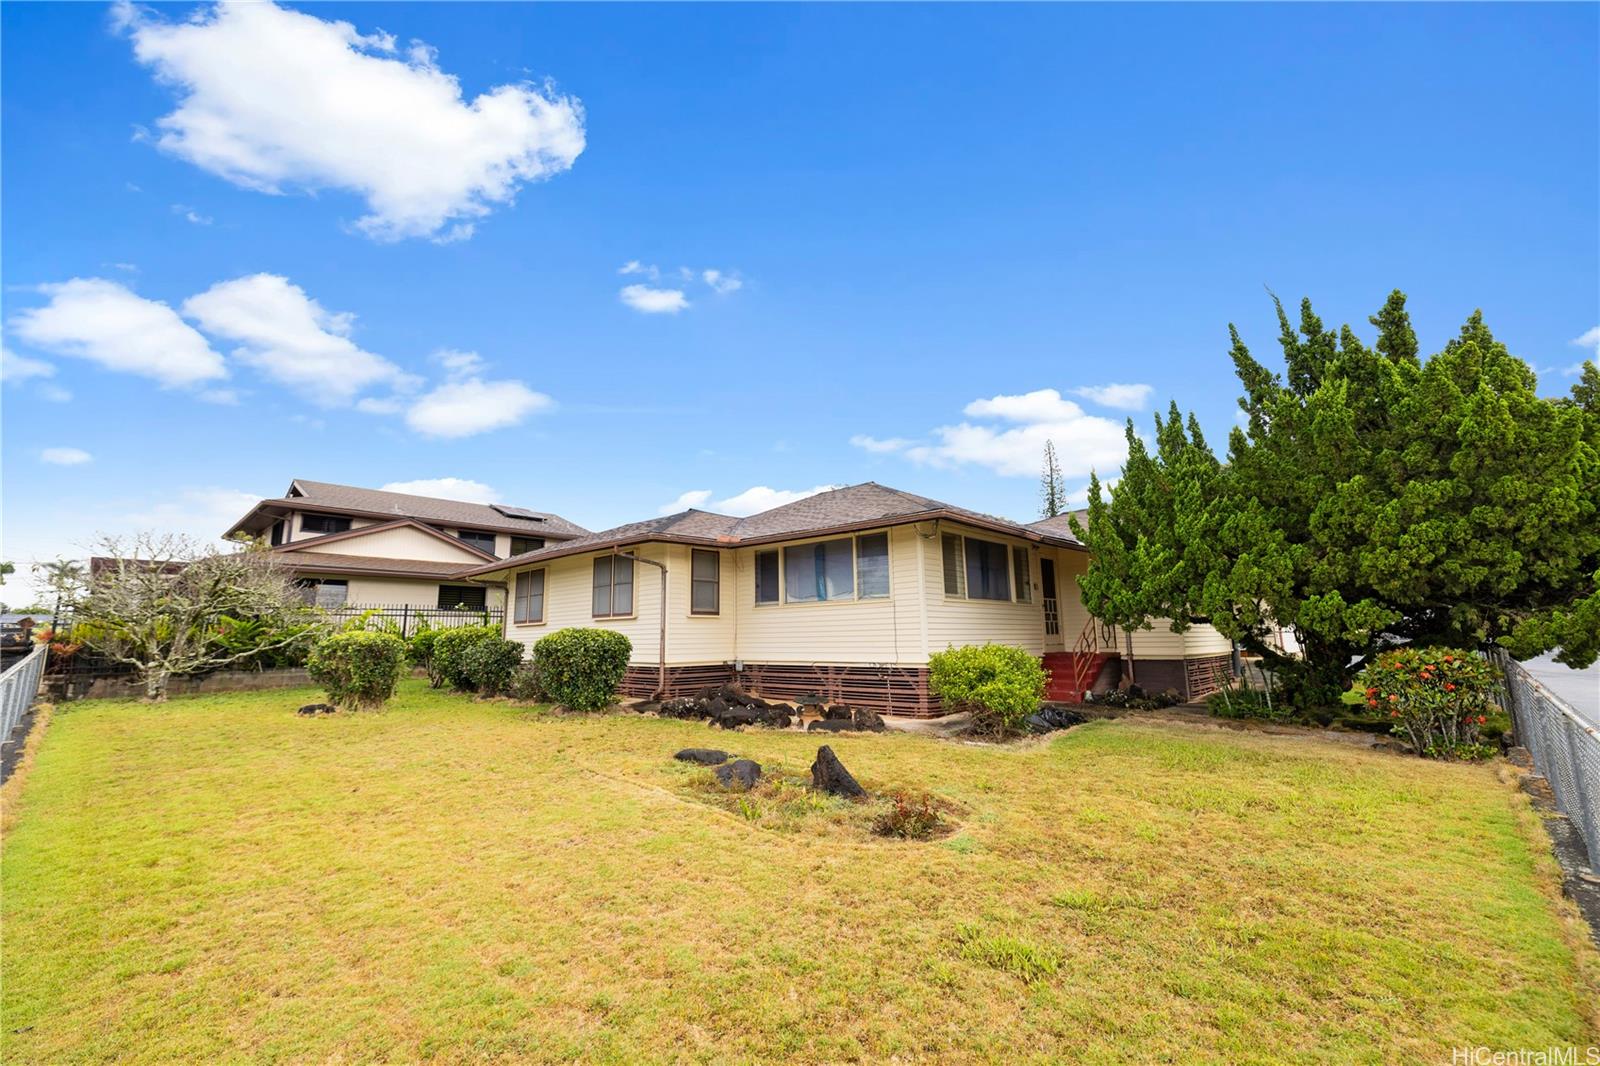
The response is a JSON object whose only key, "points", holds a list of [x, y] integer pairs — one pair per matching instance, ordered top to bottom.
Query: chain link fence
{"points": [[19, 685], [1565, 749]]}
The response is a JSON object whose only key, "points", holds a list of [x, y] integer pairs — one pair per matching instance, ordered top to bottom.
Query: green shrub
{"points": [[419, 652], [450, 653], [488, 665], [582, 668], [358, 669], [1000, 684], [1439, 699]]}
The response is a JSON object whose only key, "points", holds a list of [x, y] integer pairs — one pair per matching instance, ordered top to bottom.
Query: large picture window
{"points": [[988, 570], [821, 571], [705, 582], [613, 586], [767, 586], [333, 592], [529, 608]]}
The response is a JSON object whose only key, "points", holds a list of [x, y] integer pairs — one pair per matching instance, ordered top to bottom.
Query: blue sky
{"points": [[931, 214]]}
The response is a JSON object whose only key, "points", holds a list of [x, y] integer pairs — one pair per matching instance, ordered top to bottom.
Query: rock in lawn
{"points": [[648, 707], [317, 708], [836, 713], [868, 720], [831, 725], [703, 756], [741, 774], [829, 775]]}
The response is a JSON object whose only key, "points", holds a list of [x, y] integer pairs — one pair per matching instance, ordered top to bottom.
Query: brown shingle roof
{"points": [[376, 503], [851, 507], [1059, 527], [328, 562]]}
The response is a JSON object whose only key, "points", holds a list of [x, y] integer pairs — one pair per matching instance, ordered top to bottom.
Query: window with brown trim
{"points": [[324, 523], [705, 582], [613, 586], [463, 597], [529, 603]]}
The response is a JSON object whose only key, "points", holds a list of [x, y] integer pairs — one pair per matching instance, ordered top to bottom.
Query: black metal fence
{"points": [[408, 620], [74, 677]]}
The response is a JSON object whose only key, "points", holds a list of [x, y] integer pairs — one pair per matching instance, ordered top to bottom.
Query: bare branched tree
{"points": [[165, 605]]}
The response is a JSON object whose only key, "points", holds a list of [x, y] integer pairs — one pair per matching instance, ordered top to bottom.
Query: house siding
{"points": [[404, 542], [956, 621]]}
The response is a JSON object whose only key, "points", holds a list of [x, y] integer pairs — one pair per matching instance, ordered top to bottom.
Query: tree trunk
{"points": [[1327, 671], [155, 684]]}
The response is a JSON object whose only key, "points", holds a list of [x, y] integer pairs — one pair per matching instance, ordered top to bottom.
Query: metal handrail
{"points": [[19, 687]]}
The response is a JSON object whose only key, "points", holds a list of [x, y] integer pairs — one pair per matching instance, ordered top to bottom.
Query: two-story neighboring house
{"points": [[368, 548], [846, 594]]}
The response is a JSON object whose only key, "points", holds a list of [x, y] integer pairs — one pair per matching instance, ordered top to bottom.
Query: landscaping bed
{"points": [[218, 878]]}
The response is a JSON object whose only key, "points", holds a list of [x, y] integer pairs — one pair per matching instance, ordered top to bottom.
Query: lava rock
{"points": [[648, 706], [682, 707], [317, 708], [837, 713], [734, 717], [868, 720], [831, 725], [703, 756], [741, 774], [829, 775]]}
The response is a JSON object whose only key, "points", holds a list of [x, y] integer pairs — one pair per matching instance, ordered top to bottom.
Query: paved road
{"points": [[1579, 688]]}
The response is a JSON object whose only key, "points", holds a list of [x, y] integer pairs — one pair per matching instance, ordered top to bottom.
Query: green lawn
{"points": [[217, 879]]}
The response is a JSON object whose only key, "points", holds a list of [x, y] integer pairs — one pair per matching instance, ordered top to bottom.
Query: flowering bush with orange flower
{"points": [[1438, 698]]}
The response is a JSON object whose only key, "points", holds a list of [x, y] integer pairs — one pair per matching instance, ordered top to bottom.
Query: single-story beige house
{"points": [[369, 548], [845, 593]]}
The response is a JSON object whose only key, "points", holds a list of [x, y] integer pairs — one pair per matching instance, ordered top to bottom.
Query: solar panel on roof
{"points": [[517, 512]]}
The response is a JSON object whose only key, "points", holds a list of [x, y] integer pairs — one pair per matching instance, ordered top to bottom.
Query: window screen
{"points": [[872, 565], [988, 570], [823, 571], [767, 577], [705, 581], [954, 585], [530, 597]]}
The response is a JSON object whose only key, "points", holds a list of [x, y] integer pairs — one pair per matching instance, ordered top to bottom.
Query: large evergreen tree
{"points": [[1052, 489], [1370, 492]]}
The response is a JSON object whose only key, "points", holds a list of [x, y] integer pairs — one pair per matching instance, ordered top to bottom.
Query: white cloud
{"points": [[272, 99], [189, 214], [633, 266], [721, 283], [653, 301], [105, 322], [290, 337], [1589, 340], [458, 363], [16, 368], [54, 393], [1122, 397], [1041, 405], [472, 406], [1083, 442], [880, 446], [65, 456], [446, 488], [692, 498], [761, 498]]}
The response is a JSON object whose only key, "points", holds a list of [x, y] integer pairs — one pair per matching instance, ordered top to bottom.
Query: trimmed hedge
{"points": [[450, 648], [489, 665], [357, 668], [582, 668], [1001, 685]]}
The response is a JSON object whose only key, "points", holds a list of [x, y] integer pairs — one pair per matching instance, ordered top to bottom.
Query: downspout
{"points": [[661, 676]]}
